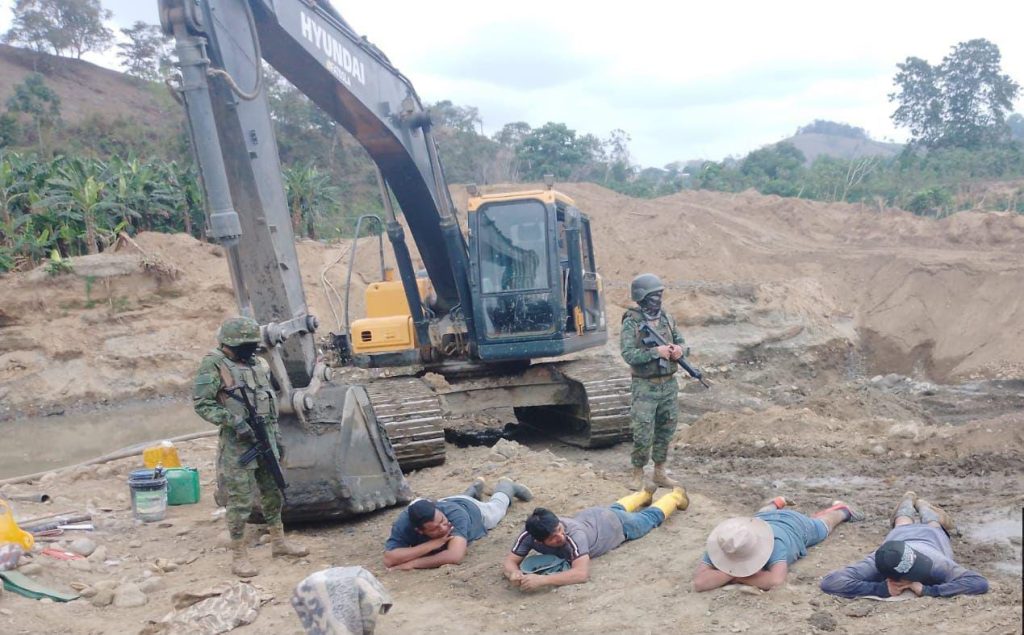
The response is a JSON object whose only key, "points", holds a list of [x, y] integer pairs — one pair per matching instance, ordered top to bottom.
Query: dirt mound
{"points": [[744, 271], [778, 431]]}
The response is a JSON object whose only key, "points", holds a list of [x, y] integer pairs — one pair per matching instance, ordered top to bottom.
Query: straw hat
{"points": [[740, 546]]}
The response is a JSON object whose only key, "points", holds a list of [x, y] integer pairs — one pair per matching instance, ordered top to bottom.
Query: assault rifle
{"points": [[653, 338], [262, 450]]}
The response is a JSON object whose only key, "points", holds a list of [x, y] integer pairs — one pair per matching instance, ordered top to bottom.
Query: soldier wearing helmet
{"points": [[234, 364], [654, 408]]}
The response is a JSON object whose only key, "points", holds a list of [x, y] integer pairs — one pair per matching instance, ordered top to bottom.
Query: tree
{"points": [[66, 26], [146, 53], [34, 98], [962, 102], [555, 149], [775, 170]]}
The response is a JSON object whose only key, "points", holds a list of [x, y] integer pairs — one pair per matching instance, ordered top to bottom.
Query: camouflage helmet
{"points": [[644, 285], [239, 330]]}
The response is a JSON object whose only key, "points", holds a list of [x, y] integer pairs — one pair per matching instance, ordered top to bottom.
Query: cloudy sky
{"points": [[685, 79]]}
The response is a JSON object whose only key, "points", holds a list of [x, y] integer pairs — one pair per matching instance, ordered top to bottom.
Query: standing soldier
{"points": [[226, 370], [654, 408]]}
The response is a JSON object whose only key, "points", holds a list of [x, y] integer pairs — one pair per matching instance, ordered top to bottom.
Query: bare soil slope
{"points": [[939, 298]]}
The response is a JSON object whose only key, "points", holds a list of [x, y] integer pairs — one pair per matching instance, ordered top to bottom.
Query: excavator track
{"points": [[411, 413], [599, 416]]}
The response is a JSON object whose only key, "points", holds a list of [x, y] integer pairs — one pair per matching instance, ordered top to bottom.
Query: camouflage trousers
{"points": [[654, 411], [239, 483]]}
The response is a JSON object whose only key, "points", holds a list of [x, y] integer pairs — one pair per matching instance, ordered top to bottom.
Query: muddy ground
{"points": [[855, 353], [804, 443]]}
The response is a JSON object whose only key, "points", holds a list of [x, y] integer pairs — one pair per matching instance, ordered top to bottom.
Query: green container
{"points": [[182, 485]]}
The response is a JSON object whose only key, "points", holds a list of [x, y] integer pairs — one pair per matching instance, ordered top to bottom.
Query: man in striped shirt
{"points": [[590, 533]]}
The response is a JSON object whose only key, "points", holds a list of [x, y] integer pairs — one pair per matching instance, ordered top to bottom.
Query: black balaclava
{"points": [[651, 305], [244, 352]]}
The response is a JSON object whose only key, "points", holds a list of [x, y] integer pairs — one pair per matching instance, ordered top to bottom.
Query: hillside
{"points": [[86, 89], [814, 145]]}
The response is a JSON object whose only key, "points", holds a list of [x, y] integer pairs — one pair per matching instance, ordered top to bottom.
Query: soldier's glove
{"points": [[244, 432]]}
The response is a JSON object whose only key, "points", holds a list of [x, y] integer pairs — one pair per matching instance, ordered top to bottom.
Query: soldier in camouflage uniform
{"points": [[234, 364], [654, 408]]}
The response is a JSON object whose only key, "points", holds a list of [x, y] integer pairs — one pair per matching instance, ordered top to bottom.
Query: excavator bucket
{"points": [[339, 461]]}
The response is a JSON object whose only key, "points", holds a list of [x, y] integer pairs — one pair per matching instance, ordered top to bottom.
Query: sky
{"points": [[685, 80]]}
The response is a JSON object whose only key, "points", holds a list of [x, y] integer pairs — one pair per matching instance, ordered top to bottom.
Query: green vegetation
{"points": [[70, 189]]}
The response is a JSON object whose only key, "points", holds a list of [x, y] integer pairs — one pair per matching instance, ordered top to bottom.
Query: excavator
{"points": [[504, 294]]}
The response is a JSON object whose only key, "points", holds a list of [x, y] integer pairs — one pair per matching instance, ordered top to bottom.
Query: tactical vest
{"points": [[664, 327], [255, 379]]}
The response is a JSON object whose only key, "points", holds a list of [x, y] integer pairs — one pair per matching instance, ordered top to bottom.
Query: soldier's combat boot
{"points": [[661, 477], [636, 479], [510, 488], [476, 490], [676, 499], [636, 500], [907, 508], [932, 513], [281, 547], [240, 563]]}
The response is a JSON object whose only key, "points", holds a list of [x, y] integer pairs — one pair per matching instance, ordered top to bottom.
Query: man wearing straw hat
{"points": [[758, 550]]}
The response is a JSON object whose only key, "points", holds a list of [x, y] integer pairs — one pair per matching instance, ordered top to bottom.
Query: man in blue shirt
{"points": [[430, 534], [758, 551], [915, 556]]}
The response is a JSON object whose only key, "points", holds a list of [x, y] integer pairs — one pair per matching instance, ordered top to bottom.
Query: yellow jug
{"points": [[164, 455], [9, 530]]}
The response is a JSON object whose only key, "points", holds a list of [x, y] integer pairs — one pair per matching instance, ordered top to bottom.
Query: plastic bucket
{"points": [[182, 486], [149, 494]]}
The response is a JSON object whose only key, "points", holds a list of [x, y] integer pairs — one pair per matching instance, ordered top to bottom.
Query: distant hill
{"points": [[87, 90], [815, 144]]}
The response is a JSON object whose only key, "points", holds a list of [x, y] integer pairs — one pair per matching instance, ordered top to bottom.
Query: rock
{"points": [[905, 430], [760, 443], [506, 448], [878, 450], [104, 471], [49, 477], [135, 544], [82, 546], [100, 555], [80, 565], [169, 565], [32, 568], [106, 585], [152, 585], [88, 592], [129, 596], [103, 597], [46, 601], [859, 609], [6, 612], [822, 621], [739, 626]]}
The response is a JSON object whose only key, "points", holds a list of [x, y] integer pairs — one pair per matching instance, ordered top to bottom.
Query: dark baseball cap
{"points": [[421, 512], [896, 559]]}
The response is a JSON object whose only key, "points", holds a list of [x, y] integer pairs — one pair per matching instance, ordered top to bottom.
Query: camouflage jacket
{"points": [[643, 360], [213, 404]]}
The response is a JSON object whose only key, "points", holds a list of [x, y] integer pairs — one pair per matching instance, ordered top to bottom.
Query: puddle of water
{"points": [[43, 443], [1001, 526]]}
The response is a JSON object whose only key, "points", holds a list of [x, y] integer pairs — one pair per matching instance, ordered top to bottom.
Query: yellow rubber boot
{"points": [[676, 499], [636, 500]]}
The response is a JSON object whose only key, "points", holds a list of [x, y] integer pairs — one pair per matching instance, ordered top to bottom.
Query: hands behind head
{"points": [[897, 587]]}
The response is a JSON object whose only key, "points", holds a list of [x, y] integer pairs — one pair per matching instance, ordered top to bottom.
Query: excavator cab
{"points": [[536, 292]]}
